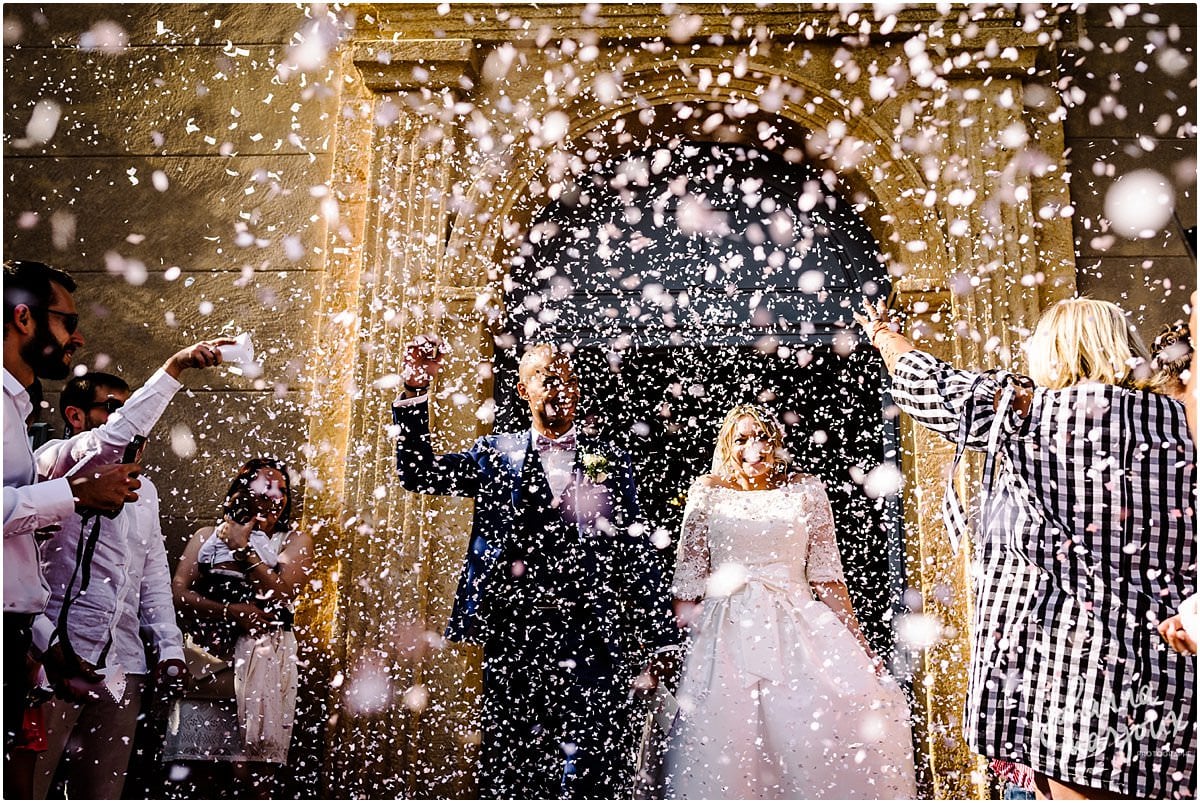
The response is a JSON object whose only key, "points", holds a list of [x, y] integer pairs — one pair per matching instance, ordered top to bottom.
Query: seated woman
{"points": [[234, 588], [781, 696]]}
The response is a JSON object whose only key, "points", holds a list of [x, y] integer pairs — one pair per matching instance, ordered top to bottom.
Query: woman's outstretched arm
{"points": [[883, 332]]}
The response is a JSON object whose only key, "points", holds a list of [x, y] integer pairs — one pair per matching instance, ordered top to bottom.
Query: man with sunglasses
{"points": [[41, 334], [84, 477], [102, 672]]}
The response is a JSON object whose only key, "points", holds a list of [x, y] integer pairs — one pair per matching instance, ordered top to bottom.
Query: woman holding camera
{"points": [[234, 588]]}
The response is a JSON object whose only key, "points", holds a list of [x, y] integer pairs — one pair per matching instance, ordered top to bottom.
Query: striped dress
{"points": [[1084, 543]]}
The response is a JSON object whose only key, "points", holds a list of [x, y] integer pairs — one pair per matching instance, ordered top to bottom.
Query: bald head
{"points": [[548, 384]]}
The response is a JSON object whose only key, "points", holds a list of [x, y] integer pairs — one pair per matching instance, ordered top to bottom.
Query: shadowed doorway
{"points": [[695, 277]]}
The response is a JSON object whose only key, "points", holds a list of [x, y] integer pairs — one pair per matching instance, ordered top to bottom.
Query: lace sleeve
{"points": [[692, 561], [824, 561]]}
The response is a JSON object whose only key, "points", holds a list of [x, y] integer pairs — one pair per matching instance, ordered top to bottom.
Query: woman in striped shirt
{"points": [[1083, 545]]}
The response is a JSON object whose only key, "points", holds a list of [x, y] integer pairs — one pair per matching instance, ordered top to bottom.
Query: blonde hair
{"points": [[1083, 339], [537, 355], [722, 457]]}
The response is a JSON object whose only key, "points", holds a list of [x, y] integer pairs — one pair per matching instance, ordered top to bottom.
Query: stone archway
{"points": [[431, 211], [696, 275]]}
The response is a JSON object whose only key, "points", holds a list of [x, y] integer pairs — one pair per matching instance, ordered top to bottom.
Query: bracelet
{"points": [[877, 328], [416, 390], [254, 566]]}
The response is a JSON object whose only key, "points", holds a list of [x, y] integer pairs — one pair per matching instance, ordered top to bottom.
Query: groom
{"points": [[558, 586]]}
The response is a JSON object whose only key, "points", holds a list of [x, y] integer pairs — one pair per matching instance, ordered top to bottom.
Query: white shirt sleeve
{"points": [[105, 445], [31, 507], [156, 608]]}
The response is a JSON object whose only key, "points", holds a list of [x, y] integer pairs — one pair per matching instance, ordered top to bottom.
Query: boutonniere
{"points": [[596, 467]]}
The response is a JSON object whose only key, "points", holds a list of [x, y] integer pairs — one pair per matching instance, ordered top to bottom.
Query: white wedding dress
{"points": [[777, 697]]}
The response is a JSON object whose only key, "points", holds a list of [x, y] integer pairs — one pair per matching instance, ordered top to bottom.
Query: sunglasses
{"points": [[70, 320], [110, 405]]}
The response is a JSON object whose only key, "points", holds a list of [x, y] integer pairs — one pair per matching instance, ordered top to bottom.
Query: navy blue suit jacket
{"points": [[492, 472]]}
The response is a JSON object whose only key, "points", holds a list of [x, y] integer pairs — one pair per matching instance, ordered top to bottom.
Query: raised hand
{"points": [[876, 318], [883, 332], [204, 354], [422, 361], [106, 488], [235, 534]]}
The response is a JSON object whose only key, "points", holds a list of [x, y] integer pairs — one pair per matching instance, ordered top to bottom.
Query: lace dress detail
{"points": [[824, 560], [692, 563], [777, 697]]}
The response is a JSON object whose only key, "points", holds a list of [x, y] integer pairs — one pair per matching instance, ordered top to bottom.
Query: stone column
{"points": [[994, 166], [385, 294]]}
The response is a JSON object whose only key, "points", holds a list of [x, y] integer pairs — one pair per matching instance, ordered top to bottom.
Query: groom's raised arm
{"points": [[419, 468]]}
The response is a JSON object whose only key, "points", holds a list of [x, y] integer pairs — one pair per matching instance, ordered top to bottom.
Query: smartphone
{"points": [[131, 451], [130, 456]]}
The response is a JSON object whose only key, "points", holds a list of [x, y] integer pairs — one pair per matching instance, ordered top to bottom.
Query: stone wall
{"points": [[1133, 85], [197, 183], [183, 187], [178, 190]]}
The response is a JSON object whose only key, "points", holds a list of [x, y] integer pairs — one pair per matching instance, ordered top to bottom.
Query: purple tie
{"points": [[544, 444]]}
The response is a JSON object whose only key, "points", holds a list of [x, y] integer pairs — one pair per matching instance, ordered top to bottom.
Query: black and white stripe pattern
{"points": [[1084, 544]]}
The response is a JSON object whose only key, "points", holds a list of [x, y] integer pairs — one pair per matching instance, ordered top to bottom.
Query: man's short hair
{"points": [[29, 283], [537, 353], [80, 391]]}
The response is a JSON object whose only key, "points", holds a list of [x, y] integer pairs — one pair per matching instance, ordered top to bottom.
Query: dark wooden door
{"points": [[674, 323]]}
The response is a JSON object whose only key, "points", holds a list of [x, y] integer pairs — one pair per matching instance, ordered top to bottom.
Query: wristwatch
{"points": [[244, 554]]}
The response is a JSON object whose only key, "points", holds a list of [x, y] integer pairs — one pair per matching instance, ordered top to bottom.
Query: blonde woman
{"points": [[1083, 545], [781, 696]]}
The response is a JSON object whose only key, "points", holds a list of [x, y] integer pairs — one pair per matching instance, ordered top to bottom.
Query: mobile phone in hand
{"points": [[131, 451], [130, 456]]}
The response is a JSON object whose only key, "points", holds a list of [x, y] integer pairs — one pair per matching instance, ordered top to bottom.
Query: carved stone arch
{"points": [[895, 185], [392, 555]]}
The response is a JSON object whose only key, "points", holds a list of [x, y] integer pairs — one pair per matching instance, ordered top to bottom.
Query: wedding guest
{"points": [[41, 335], [1171, 355], [1084, 542], [557, 586], [234, 587], [99, 610], [781, 695]]}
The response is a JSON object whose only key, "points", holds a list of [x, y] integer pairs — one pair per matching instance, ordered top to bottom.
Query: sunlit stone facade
{"points": [[354, 202]]}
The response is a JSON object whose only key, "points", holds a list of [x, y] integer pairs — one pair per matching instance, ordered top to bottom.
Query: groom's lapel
{"points": [[584, 445], [515, 447], [528, 478]]}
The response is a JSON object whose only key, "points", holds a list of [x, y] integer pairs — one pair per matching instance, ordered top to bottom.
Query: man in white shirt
{"points": [[41, 333], [128, 593]]}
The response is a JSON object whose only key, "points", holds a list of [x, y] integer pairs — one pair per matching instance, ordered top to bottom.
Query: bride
{"points": [[781, 696]]}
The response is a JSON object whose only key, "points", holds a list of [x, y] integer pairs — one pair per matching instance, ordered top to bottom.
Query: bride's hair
{"points": [[721, 464]]}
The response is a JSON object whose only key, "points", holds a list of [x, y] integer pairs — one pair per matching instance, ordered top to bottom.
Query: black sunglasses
{"points": [[70, 320], [110, 405]]}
